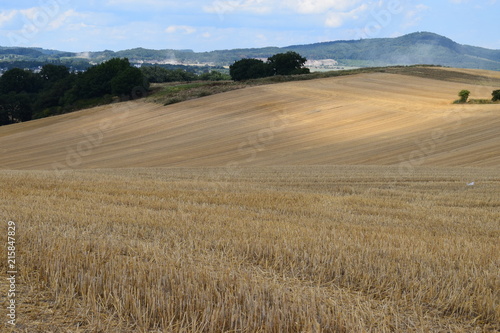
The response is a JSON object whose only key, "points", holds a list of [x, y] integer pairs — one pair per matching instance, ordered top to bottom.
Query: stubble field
{"points": [[333, 205], [278, 249]]}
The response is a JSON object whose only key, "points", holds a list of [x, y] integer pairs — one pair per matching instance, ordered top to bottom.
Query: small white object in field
{"points": [[470, 184]]}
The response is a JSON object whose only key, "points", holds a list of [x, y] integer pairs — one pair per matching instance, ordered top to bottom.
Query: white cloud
{"points": [[142, 4], [228, 6], [267, 6], [321, 6], [34, 13], [333, 13], [7, 16], [413, 17], [44, 18], [64, 18], [337, 19], [183, 29], [220, 38]]}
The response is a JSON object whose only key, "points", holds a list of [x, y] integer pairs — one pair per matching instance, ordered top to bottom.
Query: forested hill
{"points": [[415, 48]]}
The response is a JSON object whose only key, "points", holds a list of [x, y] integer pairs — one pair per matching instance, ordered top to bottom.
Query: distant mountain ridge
{"points": [[411, 49]]}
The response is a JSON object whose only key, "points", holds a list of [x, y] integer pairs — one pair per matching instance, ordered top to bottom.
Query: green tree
{"points": [[288, 64], [246, 69], [53, 73], [156, 74], [179, 75], [115, 76], [214, 76], [19, 80], [96, 81], [125, 81], [18, 91], [25, 95], [496, 95], [464, 96], [50, 101], [15, 107], [5, 111]]}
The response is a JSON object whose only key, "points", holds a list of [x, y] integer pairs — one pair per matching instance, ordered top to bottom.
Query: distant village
{"points": [[314, 65]]}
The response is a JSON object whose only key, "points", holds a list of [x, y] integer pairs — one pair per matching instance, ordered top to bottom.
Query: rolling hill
{"points": [[415, 48], [370, 119], [340, 204]]}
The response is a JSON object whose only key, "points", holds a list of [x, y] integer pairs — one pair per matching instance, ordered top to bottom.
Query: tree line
{"points": [[289, 63], [157, 74], [55, 89], [27, 95], [464, 97]]}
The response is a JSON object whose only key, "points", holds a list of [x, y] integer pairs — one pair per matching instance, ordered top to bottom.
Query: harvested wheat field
{"points": [[364, 203], [272, 249]]}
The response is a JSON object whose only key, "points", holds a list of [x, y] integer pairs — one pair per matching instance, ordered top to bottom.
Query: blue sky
{"points": [[93, 25]]}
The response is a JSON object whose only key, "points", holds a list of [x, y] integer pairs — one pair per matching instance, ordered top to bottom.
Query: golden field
{"points": [[330, 205], [276, 249]]}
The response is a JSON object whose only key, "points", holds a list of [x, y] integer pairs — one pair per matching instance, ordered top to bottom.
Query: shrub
{"points": [[288, 64], [246, 69], [204, 93], [464, 95], [496, 95], [173, 100], [479, 101]]}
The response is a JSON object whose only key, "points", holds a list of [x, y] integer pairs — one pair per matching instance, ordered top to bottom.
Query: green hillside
{"points": [[415, 48]]}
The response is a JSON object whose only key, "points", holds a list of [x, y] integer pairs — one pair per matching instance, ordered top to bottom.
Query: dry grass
{"points": [[466, 76], [171, 93], [277, 249]]}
